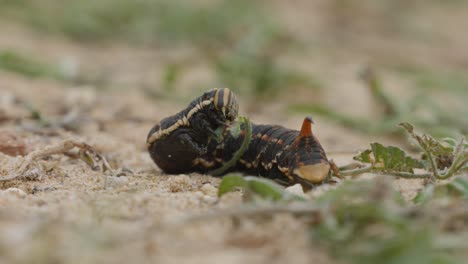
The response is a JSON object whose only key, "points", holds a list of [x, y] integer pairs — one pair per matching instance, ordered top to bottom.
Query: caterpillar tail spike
{"points": [[306, 129], [310, 162]]}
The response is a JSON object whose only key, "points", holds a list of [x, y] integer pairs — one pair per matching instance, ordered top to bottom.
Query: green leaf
{"points": [[364, 156], [388, 159], [231, 182], [256, 187], [266, 189]]}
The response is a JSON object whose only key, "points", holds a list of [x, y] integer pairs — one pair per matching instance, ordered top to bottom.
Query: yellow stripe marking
{"points": [[226, 96], [184, 121], [203, 162]]}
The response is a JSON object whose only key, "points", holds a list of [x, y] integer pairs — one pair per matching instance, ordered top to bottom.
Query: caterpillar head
{"points": [[225, 100], [310, 162]]}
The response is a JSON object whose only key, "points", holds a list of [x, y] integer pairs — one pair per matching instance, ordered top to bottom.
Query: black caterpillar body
{"points": [[206, 135], [178, 140], [284, 155]]}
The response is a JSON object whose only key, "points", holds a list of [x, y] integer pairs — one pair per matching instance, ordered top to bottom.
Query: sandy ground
{"points": [[72, 209], [73, 214]]}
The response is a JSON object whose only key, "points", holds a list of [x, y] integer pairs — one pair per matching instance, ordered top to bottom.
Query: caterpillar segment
{"points": [[178, 140], [284, 155]]}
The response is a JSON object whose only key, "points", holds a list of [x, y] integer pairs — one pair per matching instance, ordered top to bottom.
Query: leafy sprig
{"points": [[440, 160]]}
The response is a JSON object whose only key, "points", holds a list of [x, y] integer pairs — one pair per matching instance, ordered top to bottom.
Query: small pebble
{"points": [[209, 189], [296, 189]]}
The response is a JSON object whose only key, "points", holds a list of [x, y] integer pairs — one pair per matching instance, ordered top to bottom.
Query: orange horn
{"points": [[306, 129]]}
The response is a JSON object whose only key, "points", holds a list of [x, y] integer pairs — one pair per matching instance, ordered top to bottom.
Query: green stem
{"points": [[410, 129], [238, 154], [350, 166], [370, 169], [356, 171], [407, 175]]}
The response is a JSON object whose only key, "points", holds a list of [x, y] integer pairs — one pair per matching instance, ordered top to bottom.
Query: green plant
{"points": [[441, 160]]}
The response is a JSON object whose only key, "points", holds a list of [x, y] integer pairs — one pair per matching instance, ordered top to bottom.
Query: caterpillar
{"points": [[207, 135], [176, 141], [284, 155]]}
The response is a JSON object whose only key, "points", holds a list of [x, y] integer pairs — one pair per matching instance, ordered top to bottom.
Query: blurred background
{"points": [[358, 66]]}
